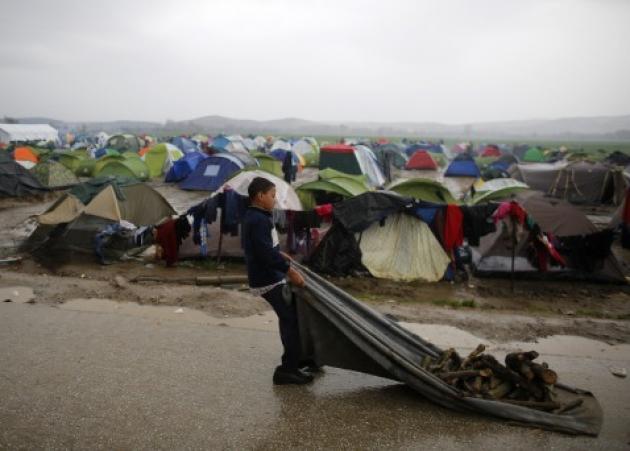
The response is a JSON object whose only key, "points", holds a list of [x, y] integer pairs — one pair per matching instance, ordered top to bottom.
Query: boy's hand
{"points": [[286, 256], [295, 278]]}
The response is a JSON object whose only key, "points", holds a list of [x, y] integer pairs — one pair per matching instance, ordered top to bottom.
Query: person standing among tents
{"points": [[288, 167], [267, 271]]}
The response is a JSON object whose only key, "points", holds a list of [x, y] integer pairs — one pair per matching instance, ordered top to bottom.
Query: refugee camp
{"points": [[437, 255]]}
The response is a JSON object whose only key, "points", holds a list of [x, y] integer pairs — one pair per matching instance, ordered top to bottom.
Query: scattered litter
{"points": [[149, 265], [83, 276], [120, 281], [179, 310], [619, 372]]}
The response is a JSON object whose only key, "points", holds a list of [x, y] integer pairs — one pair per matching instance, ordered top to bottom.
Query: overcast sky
{"points": [[453, 61]]}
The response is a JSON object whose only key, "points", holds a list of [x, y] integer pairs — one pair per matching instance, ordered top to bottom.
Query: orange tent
{"points": [[144, 150], [25, 154]]}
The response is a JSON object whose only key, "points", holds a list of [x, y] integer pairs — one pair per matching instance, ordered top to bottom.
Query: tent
{"points": [[27, 132], [124, 143], [220, 143], [184, 144], [281, 144], [308, 149], [491, 150], [106, 152], [393, 153], [280, 155], [533, 155], [27, 157], [160, 158], [246, 158], [71, 160], [357, 160], [421, 160], [504, 162], [268, 163], [463, 166], [122, 167], [183, 167], [85, 168], [212, 172], [53, 174], [539, 176], [17, 181], [585, 182], [332, 186], [423, 189], [496, 189], [286, 197], [71, 223], [402, 248], [493, 256]]}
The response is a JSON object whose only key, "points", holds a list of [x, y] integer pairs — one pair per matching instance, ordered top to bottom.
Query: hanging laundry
{"points": [[513, 209], [325, 212], [477, 222], [453, 230], [166, 237]]}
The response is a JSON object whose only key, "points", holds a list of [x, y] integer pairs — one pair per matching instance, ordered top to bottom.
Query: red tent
{"points": [[491, 151], [421, 160]]}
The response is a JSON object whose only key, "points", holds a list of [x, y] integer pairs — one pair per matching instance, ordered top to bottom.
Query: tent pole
{"points": [[220, 239]]}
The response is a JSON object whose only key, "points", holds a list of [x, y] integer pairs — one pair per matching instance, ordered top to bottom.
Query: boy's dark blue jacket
{"points": [[265, 265]]}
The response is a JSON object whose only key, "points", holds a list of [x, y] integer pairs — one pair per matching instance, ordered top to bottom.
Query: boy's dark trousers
{"points": [[288, 322]]}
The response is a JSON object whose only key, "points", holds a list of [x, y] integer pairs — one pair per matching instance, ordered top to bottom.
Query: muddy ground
{"points": [[488, 308]]}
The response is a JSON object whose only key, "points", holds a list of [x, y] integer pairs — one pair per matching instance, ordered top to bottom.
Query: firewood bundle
{"points": [[520, 381]]}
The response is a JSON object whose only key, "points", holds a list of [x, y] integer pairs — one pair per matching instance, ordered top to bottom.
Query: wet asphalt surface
{"points": [[106, 380]]}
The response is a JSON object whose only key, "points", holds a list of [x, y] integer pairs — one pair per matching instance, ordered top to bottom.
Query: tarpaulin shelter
{"points": [[124, 143], [25, 156], [160, 158], [421, 160], [463, 166], [183, 167], [212, 172], [54, 175], [539, 176], [17, 181], [424, 189], [595, 262], [339, 331]]}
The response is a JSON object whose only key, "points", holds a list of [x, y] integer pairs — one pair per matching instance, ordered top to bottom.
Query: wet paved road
{"points": [[89, 379]]}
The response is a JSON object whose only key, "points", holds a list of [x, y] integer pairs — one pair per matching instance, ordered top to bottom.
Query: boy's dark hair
{"points": [[259, 185]]}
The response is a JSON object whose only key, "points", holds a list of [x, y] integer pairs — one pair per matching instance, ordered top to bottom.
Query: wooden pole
{"points": [[220, 238], [513, 253]]}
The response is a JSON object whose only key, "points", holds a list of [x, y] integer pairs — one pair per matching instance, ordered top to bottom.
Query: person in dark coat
{"points": [[287, 167], [268, 270]]}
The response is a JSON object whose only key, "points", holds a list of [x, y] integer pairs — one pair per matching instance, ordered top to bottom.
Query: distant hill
{"points": [[578, 128]]}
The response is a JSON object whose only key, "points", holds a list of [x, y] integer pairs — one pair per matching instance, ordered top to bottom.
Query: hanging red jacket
{"points": [[453, 228], [167, 239]]}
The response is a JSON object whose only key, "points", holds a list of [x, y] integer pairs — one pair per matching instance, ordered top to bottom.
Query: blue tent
{"points": [[220, 143], [184, 144], [413, 148], [184, 166], [463, 166], [212, 172]]}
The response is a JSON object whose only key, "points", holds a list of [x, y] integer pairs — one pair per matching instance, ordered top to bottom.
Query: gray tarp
{"points": [[339, 331]]}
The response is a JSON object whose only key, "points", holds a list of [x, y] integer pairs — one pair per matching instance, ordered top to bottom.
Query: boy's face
{"points": [[267, 200]]}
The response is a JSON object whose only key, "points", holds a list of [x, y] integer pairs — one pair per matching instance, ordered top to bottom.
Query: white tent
{"points": [[27, 132], [286, 197]]}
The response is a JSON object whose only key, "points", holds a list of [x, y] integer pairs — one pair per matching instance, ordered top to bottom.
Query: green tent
{"points": [[124, 143], [534, 155], [160, 158], [71, 160], [101, 162], [268, 163], [123, 167], [85, 168], [53, 174], [332, 181], [423, 189], [497, 189]]}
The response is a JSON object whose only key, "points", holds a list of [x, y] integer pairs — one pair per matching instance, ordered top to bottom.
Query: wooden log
{"points": [[478, 350], [514, 359], [442, 361], [525, 370], [465, 374], [507, 374], [549, 377], [495, 382], [477, 384], [501, 390], [544, 405], [569, 406]]}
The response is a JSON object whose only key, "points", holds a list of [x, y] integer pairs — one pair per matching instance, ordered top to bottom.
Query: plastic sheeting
{"points": [[404, 249], [337, 330]]}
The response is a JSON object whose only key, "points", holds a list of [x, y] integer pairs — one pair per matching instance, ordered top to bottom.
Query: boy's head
{"points": [[262, 193]]}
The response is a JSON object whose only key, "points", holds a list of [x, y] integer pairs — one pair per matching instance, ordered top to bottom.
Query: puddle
{"points": [[20, 295], [265, 321]]}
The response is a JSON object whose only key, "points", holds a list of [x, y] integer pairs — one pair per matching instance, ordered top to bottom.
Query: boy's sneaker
{"points": [[283, 376]]}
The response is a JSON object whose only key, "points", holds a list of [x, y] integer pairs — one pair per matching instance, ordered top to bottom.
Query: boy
{"points": [[267, 270]]}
